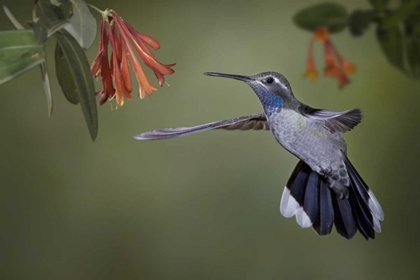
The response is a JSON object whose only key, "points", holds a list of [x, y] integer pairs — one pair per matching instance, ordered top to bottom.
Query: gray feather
{"points": [[334, 121], [252, 122]]}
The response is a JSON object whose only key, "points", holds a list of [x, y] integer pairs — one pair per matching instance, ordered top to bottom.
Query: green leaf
{"points": [[379, 5], [49, 15], [330, 15], [399, 15], [359, 21], [82, 24], [412, 24], [41, 34], [391, 42], [19, 53], [43, 66], [63, 72], [82, 76]]}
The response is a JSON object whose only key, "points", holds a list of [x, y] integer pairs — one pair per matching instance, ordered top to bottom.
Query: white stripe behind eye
{"points": [[280, 84]]}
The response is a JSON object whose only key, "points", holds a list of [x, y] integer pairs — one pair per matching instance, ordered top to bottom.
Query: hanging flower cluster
{"points": [[125, 43], [335, 65]]}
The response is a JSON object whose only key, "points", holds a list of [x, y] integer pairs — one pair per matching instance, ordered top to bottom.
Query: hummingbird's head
{"points": [[272, 88]]}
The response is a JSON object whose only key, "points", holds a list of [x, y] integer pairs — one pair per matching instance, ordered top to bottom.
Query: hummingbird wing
{"points": [[333, 121], [252, 122]]}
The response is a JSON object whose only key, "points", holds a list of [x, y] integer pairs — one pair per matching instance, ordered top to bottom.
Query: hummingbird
{"points": [[324, 189]]}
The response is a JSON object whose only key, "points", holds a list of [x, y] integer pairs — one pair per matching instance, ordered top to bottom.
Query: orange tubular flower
{"points": [[321, 34], [125, 42], [335, 65], [100, 66], [331, 68], [349, 68], [311, 72], [343, 80]]}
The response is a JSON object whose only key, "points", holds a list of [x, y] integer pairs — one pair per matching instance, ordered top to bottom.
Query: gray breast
{"points": [[308, 140]]}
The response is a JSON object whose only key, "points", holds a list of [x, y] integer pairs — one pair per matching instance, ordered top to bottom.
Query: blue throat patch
{"points": [[271, 103]]}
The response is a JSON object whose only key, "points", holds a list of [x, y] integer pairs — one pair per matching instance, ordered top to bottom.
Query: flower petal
{"points": [[321, 34], [138, 38], [149, 40], [103, 42], [117, 46], [143, 51], [148, 60], [330, 64], [95, 68], [349, 68], [105, 70], [125, 72], [311, 72], [106, 77], [160, 78], [342, 79], [144, 83], [120, 88], [120, 92]]}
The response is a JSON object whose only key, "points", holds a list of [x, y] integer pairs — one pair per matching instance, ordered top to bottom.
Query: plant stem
{"points": [[96, 9]]}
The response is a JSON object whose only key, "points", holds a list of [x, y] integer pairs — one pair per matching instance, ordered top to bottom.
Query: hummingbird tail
{"points": [[308, 196]]}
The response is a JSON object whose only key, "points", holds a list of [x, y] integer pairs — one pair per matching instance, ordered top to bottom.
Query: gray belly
{"points": [[308, 140]]}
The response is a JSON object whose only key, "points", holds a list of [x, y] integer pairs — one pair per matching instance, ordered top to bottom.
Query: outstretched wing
{"points": [[334, 121], [253, 122]]}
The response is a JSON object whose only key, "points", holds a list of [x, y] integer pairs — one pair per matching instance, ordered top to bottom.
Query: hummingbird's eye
{"points": [[270, 80]]}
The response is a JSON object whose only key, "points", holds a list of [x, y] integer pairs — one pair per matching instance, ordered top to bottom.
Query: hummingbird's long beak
{"points": [[230, 76]]}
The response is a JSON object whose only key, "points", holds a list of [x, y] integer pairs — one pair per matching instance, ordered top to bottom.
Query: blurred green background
{"points": [[203, 206]]}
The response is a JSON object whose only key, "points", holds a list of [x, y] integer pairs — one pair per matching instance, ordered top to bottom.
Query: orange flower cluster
{"points": [[125, 42], [335, 65]]}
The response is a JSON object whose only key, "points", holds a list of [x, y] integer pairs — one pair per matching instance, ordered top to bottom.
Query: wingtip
{"points": [[358, 111], [144, 136], [139, 137]]}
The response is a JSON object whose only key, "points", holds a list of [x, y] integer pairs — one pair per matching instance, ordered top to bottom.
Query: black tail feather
{"points": [[299, 183], [308, 196], [368, 197], [311, 205], [362, 213], [343, 217], [324, 224]]}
